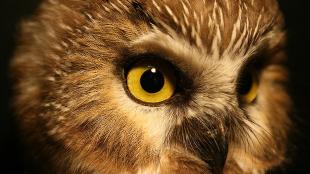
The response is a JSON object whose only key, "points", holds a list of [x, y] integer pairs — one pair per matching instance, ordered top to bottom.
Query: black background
{"points": [[297, 14]]}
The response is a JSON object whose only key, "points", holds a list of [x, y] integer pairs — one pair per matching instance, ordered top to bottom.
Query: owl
{"points": [[153, 87]]}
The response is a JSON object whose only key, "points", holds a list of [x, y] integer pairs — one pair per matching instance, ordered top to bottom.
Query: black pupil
{"points": [[152, 80], [245, 84]]}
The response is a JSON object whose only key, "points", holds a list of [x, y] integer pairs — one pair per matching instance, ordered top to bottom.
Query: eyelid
{"points": [[155, 57]]}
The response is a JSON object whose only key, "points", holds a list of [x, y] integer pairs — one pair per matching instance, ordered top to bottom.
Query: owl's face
{"points": [[155, 86]]}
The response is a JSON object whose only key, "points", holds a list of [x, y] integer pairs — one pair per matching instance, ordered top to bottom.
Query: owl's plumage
{"points": [[75, 112]]}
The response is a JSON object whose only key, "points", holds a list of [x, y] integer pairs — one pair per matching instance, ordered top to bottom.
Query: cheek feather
{"points": [[153, 122]]}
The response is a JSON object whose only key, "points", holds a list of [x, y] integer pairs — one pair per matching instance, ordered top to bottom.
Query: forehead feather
{"points": [[217, 26]]}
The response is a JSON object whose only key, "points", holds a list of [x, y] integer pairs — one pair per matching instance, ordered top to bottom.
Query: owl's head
{"points": [[154, 86]]}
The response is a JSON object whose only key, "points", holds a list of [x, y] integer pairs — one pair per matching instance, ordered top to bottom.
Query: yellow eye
{"points": [[151, 81], [248, 87]]}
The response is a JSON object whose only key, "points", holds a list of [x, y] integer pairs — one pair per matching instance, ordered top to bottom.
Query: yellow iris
{"points": [[150, 81], [251, 94]]}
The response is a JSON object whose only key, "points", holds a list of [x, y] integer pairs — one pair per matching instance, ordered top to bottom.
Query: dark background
{"points": [[297, 14]]}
